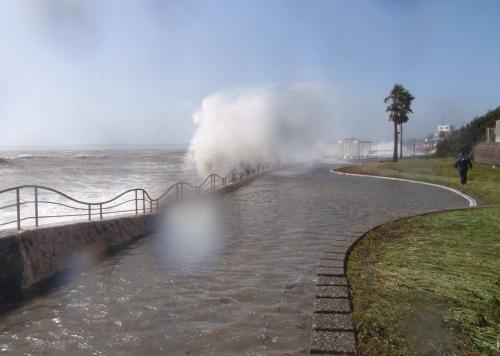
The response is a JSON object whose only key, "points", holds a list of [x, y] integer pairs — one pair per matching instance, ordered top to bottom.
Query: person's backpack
{"points": [[462, 161]]}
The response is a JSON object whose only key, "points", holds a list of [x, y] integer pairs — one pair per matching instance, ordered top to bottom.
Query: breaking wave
{"points": [[246, 126]]}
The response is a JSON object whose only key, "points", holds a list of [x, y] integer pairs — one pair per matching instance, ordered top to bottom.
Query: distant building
{"points": [[445, 128], [443, 131], [497, 132], [493, 133], [429, 144], [352, 148]]}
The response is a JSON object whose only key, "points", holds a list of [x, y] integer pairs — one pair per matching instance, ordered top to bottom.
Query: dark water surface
{"points": [[233, 276]]}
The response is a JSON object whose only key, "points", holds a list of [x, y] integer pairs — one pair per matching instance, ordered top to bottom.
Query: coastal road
{"points": [[236, 275]]}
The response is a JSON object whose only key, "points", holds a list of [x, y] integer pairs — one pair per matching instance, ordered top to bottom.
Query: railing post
{"points": [[182, 189], [143, 202], [18, 204], [136, 204], [150, 205], [36, 206], [100, 211], [90, 212]]}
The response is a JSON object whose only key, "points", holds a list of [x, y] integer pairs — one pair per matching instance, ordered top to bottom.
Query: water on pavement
{"points": [[234, 276]]}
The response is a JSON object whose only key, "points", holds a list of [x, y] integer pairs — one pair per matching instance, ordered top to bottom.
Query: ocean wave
{"points": [[27, 156], [84, 156], [5, 161]]}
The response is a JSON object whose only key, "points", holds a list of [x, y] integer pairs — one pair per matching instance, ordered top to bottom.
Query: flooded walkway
{"points": [[231, 276]]}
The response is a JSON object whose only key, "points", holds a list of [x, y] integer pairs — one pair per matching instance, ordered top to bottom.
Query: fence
{"points": [[31, 203]]}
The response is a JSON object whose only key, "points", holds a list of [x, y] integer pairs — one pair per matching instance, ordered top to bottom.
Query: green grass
{"points": [[483, 183], [430, 284]]}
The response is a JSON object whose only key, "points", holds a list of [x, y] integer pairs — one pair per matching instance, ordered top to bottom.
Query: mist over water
{"points": [[246, 126]]}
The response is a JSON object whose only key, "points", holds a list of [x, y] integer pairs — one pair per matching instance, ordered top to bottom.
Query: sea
{"points": [[89, 175], [219, 276]]}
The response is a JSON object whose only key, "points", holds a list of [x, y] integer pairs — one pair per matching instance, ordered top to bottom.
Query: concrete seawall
{"points": [[487, 153], [30, 257]]}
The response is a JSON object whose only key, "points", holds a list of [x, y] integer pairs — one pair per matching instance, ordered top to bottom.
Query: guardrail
{"points": [[29, 199]]}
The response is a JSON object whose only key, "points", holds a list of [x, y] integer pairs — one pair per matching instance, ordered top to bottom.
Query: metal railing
{"points": [[29, 199]]}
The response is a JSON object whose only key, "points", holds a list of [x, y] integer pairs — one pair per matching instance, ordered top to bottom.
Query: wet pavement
{"points": [[234, 276]]}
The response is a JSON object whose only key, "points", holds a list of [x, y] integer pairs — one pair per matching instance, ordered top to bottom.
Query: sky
{"points": [[123, 72]]}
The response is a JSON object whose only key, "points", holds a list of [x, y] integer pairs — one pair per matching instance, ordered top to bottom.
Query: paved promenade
{"points": [[351, 206], [258, 271]]}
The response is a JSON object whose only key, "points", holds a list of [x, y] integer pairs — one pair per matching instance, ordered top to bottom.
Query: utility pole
{"points": [[401, 141]]}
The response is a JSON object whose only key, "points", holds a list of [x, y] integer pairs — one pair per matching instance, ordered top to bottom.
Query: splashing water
{"points": [[242, 127]]}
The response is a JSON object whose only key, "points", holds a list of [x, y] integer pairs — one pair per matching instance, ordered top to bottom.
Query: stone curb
{"points": [[470, 200], [332, 327], [333, 330]]}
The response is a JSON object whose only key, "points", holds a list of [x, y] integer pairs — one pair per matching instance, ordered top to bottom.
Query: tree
{"points": [[399, 107], [465, 138]]}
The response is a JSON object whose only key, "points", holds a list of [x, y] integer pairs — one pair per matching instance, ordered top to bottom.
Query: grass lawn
{"points": [[483, 183], [430, 284]]}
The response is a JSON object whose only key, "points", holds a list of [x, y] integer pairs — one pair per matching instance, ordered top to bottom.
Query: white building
{"points": [[443, 131], [497, 132], [493, 133], [352, 148]]}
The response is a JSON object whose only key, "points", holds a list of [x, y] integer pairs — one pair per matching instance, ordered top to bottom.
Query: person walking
{"points": [[463, 164]]}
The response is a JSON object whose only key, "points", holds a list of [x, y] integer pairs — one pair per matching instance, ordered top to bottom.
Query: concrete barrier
{"points": [[487, 153], [30, 257]]}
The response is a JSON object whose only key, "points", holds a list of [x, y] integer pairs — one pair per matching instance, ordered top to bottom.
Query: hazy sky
{"points": [[133, 72]]}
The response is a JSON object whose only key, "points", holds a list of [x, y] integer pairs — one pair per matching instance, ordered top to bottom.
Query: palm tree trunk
{"points": [[401, 141], [395, 154]]}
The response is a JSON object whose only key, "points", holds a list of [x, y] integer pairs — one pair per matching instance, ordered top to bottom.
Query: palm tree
{"points": [[399, 107]]}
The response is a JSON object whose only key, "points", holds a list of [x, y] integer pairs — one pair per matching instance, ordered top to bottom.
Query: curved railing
{"points": [[36, 203]]}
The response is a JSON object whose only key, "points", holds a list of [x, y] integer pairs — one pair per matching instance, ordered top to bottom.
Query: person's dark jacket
{"points": [[463, 163]]}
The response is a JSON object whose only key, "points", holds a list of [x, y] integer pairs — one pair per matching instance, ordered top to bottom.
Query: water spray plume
{"points": [[243, 127]]}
